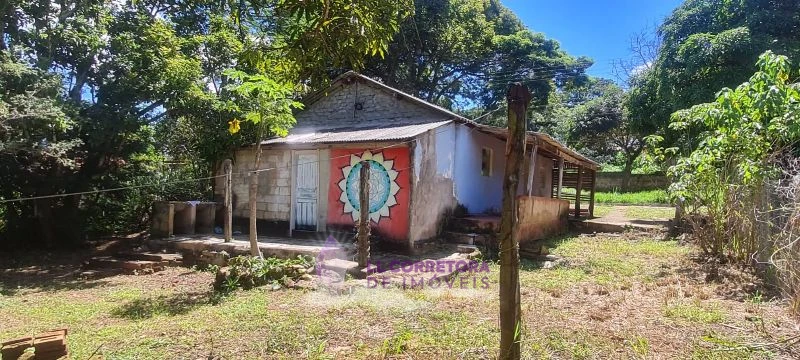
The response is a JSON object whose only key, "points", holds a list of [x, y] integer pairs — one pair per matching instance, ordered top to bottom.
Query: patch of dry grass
{"points": [[615, 297]]}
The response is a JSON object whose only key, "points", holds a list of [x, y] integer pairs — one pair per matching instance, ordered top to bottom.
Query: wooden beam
{"points": [[532, 169]]}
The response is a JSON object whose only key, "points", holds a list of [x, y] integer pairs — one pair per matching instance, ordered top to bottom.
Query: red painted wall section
{"points": [[389, 190]]}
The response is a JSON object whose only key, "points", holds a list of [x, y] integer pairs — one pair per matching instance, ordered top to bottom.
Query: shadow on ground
{"points": [[38, 272], [171, 305]]}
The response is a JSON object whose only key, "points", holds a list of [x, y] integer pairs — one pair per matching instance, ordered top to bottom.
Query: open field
{"points": [[628, 296]]}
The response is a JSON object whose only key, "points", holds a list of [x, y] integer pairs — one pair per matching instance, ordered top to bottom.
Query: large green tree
{"points": [[707, 45], [463, 54], [132, 72], [602, 128]]}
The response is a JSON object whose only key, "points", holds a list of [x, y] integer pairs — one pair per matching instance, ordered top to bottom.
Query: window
{"points": [[486, 162]]}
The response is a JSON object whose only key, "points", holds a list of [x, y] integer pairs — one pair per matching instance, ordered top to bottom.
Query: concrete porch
{"points": [[281, 247]]}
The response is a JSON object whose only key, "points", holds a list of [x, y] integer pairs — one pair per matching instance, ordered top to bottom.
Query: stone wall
{"points": [[378, 108], [612, 181], [274, 186]]}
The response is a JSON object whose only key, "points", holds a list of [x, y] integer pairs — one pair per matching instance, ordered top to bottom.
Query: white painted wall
{"points": [[446, 150], [432, 185], [478, 193]]}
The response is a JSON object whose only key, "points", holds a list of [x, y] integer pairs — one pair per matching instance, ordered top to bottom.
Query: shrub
{"points": [[727, 183], [248, 272]]}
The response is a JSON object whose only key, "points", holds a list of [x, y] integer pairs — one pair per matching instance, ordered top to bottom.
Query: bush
{"points": [[727, 184], [248, 272]]}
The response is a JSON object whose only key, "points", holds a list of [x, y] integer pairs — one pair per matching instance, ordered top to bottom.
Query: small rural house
{"points": [[424, 162]]}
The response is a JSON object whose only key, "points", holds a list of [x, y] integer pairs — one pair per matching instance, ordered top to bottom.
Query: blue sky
{"points": [[599, 29]]}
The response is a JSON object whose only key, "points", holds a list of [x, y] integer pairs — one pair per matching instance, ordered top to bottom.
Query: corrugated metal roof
{"points": [[299, 136]]}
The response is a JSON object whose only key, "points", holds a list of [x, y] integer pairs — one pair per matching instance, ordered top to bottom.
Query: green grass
{"points": [[648, 197], [632, 198], [602, 210], [649, 213], [694, 312], [174, 314]]}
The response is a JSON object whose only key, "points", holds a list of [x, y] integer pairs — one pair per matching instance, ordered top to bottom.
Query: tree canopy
{"points": [[707, 45], [463, 54], [101, 93]]}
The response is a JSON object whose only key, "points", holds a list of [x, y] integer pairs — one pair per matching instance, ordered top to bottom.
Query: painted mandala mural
{"points": [[383, 186], [389, 190]]}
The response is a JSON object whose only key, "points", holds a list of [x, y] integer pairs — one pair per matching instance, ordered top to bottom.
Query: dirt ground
{"points": [[614, 296]]}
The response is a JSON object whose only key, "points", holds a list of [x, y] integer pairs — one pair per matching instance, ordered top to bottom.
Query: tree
{"points": [[707, 45], [464, 53], [128, 69], [268, 105], [602, 127], [36, 151], [725, 175]]}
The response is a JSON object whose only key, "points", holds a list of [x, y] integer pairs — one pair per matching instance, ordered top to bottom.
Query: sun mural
{"points": [[382, 186]]}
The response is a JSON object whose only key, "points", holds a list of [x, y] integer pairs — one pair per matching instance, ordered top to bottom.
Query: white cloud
{"points": [[641, 68]]}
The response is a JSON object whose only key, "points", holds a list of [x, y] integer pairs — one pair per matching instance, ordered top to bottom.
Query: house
{"points": [[424, 162]]}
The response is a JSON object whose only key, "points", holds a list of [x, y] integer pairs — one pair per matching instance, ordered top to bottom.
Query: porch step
{"points": [[481, 224], [467, 238]]}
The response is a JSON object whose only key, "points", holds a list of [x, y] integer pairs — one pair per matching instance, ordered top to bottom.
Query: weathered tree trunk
{"points": [[227, 166], [626, 173], [363, 222], [510, 312]]}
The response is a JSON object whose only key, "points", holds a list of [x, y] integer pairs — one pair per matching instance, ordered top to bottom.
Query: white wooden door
{"points": [[306, 191]]}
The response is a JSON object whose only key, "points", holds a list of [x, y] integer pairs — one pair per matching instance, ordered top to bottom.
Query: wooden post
{"points": [[227, 166], [532, 170], [560, 176], [578, 192], [591, 194], [252, 197], [363, 222], [510, 312]]}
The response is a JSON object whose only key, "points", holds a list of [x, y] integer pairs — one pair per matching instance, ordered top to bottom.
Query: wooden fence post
{"points": [[518, 98], [227, 167], [363, 222]]}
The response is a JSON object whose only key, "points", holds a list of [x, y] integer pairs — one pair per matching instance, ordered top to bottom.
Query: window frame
{"points": [[490, 152]]}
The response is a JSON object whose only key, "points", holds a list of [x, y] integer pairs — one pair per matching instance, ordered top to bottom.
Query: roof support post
{"points": [[532, 169], [560, 177], [578, 192], [591, 195]]}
